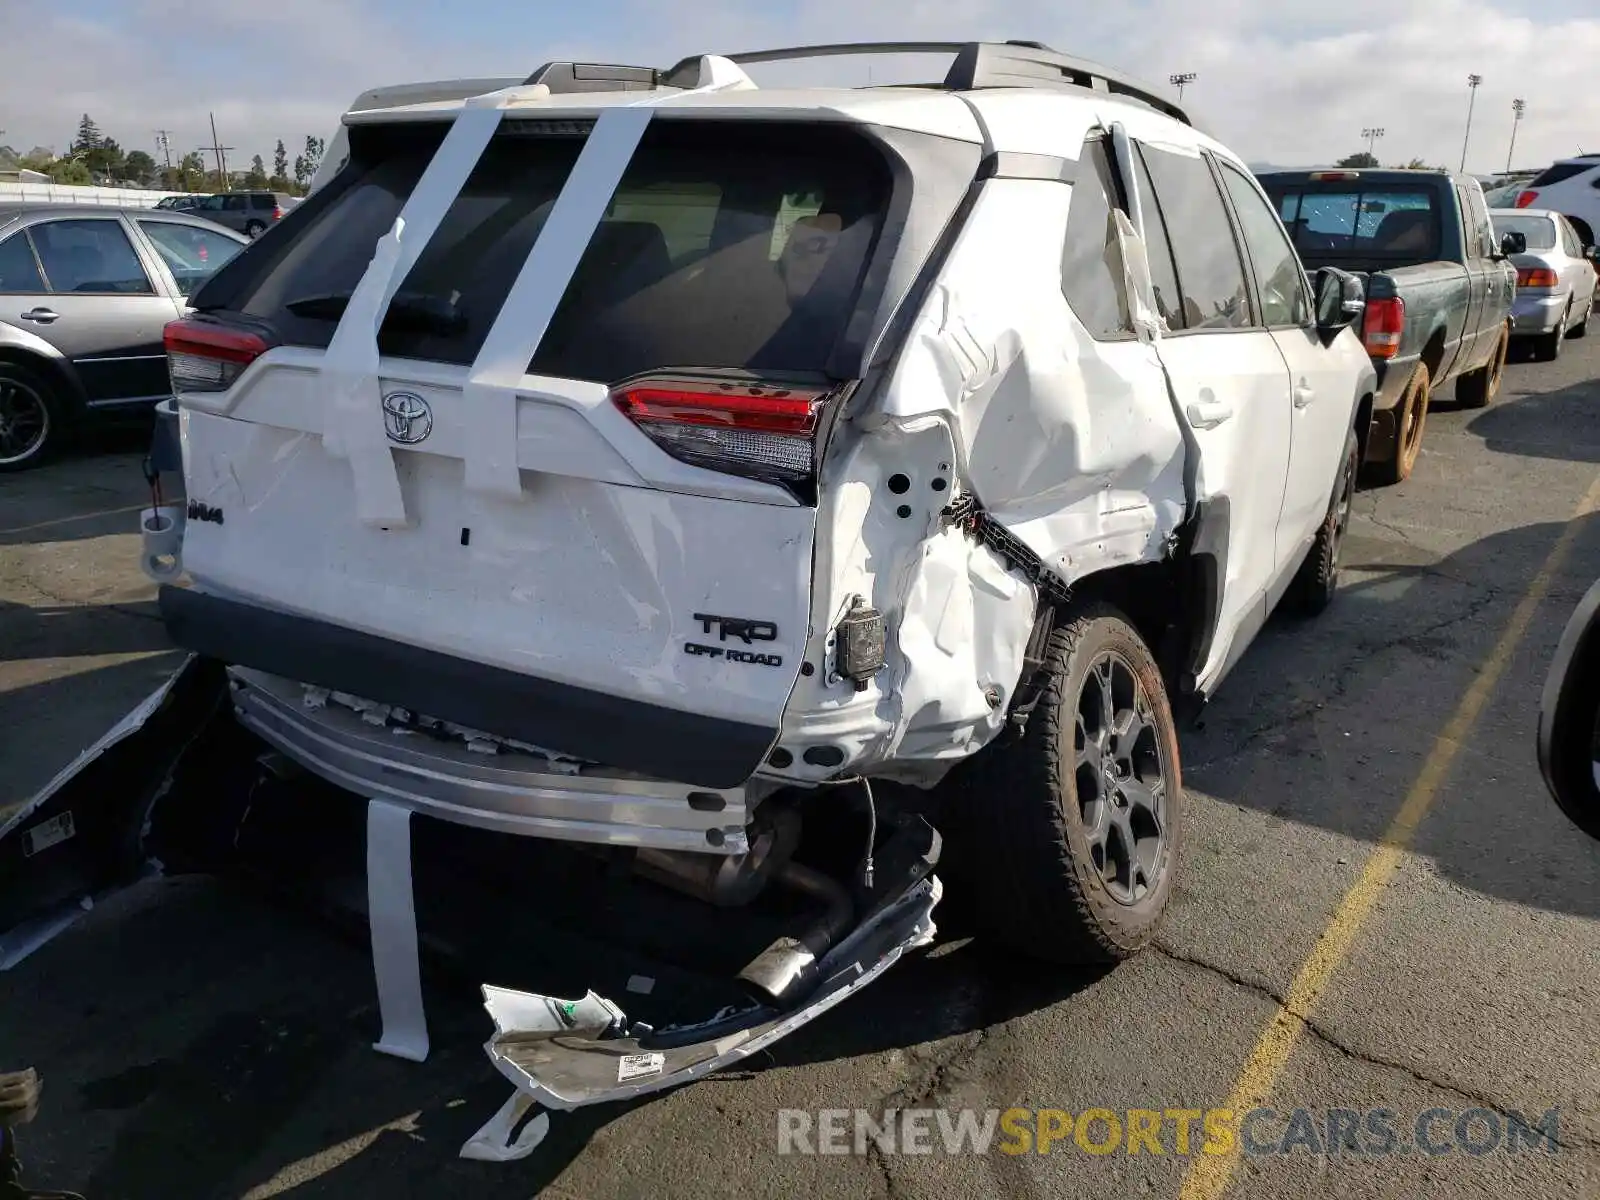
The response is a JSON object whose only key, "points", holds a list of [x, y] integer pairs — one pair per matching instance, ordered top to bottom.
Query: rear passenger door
{"points": [[1231, 385]]}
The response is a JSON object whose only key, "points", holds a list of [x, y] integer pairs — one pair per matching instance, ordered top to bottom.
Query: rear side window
{"points": [[1559, 172], [1357, 223], [736, 245], [1158, 249], [1089, 262], [1209, 268], [19, 273]]}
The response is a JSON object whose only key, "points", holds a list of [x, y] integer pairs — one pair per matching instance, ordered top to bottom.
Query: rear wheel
{"points": [[1582, 327], [1547, 348], [1476, 388], [1411, 415], [30, 418], [1318, 578], [1071, 830]]}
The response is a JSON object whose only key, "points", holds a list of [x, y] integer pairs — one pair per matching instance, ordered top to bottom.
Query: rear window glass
{"points": [[1559, 172], [1361, 223], [1540, 231], [726, 245]]}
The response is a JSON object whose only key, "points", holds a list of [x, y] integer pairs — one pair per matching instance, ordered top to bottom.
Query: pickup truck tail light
{"points": [[1526, 199], [1536, 277], [1385, 320], [207, 356], [759, 431]]}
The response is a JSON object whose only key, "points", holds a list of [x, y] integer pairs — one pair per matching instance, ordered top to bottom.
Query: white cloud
{"points": [[1293, 82]]}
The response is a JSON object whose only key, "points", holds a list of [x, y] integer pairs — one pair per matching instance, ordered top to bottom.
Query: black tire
{"points": [[254, 229], [1582, 327], [1547, 348], [1476, 388], [32, 418], [1410, 418], [1314, 584], [1568, 738], [1036, 853]]}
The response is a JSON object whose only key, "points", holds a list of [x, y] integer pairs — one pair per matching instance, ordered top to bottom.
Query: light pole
{"points": [[1181, 80], [1472, 97], [1516, 119], [1372, 136]]}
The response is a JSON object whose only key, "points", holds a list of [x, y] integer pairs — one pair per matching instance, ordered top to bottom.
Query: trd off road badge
{"points": [[407, 419], [742, 629]]}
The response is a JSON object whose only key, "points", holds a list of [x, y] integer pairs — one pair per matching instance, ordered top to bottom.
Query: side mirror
{"points": [[1513, 243], [1340, 299], [1569, 716]]}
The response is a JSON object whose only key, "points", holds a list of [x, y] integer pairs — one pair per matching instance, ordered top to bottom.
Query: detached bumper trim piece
{"points": [[627, 735]]}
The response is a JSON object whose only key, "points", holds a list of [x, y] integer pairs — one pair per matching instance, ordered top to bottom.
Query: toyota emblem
{"points": [[407, 419]]}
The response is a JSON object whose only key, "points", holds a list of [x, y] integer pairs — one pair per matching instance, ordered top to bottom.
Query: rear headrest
{"points": [[1408, 229]]}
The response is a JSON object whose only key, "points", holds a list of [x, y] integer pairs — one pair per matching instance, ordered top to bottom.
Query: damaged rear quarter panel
{"points": [[1070, 443]]}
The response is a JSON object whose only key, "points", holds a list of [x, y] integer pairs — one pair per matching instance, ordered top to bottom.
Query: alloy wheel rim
{"points": [[24, 422], [1120, 772]]}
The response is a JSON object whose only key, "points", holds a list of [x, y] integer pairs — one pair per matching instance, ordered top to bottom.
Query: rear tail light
{"points": [[1526, 199], [277, 212], [1536, 277], [1385, 321], [204, 355], [760, 431]]}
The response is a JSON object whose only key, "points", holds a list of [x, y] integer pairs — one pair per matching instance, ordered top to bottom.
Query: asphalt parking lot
{"points": [[198, 1040]]}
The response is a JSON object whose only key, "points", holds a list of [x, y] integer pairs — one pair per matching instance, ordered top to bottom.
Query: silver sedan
{"points": [[1555, 278]]}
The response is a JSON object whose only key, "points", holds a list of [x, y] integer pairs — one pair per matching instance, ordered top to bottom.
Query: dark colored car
{"points": [[249, 213], [1439, 286], [85, 293]]}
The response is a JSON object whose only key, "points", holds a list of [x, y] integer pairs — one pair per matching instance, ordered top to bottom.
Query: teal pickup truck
{"points": [[1439, 288]]}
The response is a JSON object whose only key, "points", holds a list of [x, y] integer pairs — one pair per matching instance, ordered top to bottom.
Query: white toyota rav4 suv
{"points": [[742, 485]]}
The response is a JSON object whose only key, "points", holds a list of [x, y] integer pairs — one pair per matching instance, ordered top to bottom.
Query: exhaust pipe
{"points": [[727, 880], [787, 969]]}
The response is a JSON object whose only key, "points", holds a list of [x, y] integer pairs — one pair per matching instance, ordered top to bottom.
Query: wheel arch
{"points": [[45, 361]]}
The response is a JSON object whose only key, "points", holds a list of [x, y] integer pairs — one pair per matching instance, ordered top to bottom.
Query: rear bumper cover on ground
{"points": [[623, 734]]}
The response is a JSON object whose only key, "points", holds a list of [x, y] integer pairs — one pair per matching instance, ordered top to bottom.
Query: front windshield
{"points": [[1540, 231]]}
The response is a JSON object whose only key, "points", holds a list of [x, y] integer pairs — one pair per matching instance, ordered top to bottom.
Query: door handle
{"points": [[42, 315], [1304, 394], [1208, 412]]}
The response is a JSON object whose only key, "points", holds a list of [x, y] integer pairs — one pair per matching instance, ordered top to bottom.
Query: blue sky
{"points": [[1286, 81]]}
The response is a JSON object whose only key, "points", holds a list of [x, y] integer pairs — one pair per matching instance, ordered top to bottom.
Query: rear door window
{"points": [[1210, 271]]}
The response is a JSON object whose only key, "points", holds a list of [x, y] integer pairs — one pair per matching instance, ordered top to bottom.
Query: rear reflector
{"points": [[1526, 199], [1536, 277], [1385, 321], [206, 356], [759, 431]]}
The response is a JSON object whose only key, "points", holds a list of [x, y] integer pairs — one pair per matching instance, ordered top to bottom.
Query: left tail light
{"points": [[277, 212], [1536, 277], [1384, 323], [205, 355], [759, 431]]}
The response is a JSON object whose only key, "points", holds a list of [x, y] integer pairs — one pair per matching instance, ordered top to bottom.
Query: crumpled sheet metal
{"points": [[1070, 443], [554, 1051]]}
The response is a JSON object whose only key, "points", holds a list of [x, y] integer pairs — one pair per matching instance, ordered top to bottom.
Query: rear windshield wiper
{"points": [[408, 310]]}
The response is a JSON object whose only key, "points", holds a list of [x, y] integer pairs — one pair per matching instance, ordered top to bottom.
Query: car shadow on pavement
{"points": [[1562, 424], [79, 630], [1329, 722]]}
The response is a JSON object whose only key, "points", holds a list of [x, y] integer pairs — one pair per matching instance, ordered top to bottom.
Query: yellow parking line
{"points": [[104, 512], [1208, 1176]]}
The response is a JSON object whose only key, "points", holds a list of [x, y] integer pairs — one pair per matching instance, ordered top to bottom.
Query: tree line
{"points": [[92, 157]]}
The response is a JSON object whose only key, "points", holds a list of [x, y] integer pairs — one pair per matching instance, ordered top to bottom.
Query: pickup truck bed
{"points": [[1423, 244]]}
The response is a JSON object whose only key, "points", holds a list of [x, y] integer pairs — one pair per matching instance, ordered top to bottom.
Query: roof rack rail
{"points": [[977, 65], [562, 77]]}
